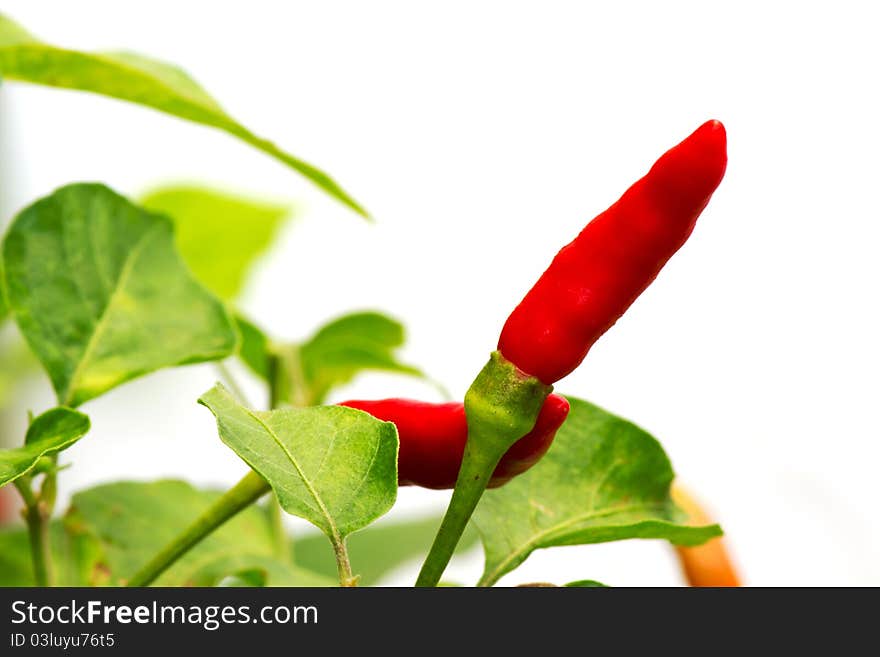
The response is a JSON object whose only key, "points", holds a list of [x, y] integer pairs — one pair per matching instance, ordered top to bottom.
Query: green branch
{"points": [[247, 491], [36, 514]]}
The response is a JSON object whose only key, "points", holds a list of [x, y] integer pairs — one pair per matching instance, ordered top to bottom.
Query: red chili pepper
{"points": [[595, 278], [433, 436]]}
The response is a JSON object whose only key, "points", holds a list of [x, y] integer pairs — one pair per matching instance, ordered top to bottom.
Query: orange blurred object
{"points": [[708, 564]]}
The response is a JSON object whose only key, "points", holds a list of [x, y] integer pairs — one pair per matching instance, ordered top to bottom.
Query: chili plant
{"points": [[105, 289]]}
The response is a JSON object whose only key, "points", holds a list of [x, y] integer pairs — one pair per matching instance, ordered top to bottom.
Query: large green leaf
{"points": [[140, 80], [219, 235], [102, 296], [51, 432], [334, 467], [604, 479], [133, 521], [376, 550], [77, 558]]}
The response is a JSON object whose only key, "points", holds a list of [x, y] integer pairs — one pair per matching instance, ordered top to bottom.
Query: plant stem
{"points": [[287, 381], [231, 382], [277, 384], [279, 393], [476, 469], [247, 491], [36, 514], [279, 535], [343, 565]]}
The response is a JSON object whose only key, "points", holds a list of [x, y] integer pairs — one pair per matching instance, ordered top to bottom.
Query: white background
{"points": [[482, 136]]}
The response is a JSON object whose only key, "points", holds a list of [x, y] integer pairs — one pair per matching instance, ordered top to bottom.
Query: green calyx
{"points": [[502, 405]]}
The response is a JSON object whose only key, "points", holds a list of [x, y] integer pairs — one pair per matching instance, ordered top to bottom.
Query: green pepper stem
{"points": [[501, 406], [476, 469], [247, 491], [36, 514]]}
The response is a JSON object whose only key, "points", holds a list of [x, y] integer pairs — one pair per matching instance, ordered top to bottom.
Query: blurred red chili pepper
{"points": [[595, 278], [433, 436], [9, 505]]}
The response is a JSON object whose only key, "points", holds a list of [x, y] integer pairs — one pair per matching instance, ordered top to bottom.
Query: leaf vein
{"points": [[101, 325], [302, 475]]}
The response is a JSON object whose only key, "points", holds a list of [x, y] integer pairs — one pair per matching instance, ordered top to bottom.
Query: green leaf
{"points": [[140, 80], [220, 236], [102, 296], [349, 345], [253, 347], [51, 432], [331, 465], [604, 479], [133, 521], [376, 550], [76, 557], [587, 584]]}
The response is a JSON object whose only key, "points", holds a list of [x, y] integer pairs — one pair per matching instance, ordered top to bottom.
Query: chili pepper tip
{"points": [[696, 165]]}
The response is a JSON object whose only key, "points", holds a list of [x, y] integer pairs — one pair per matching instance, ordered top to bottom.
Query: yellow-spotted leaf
{"points": [[101, 295]]}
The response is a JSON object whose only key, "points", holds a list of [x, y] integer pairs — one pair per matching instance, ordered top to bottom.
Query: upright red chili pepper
{"points": [[595, 278], [586, 288], [433, 437]]}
